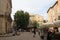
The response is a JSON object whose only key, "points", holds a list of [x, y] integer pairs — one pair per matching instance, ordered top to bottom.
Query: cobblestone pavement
{"points": [[22, 36]]}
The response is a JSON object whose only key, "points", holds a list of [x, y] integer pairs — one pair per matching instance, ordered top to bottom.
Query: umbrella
{"points": [[57, 23], [49, 24]]}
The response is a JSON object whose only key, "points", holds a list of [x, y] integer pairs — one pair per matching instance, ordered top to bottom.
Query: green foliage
{"points": [[21, 18], [35, 24]]}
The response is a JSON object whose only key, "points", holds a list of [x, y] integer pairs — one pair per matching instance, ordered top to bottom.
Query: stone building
{"points": [[58, 9], [54, 12], [5, 18], [37, 18]]}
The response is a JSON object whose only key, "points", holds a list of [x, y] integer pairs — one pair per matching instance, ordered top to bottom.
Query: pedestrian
{"points": [[14, 28], [38, 30], [34, 31], [45, 33], [49, 34]]}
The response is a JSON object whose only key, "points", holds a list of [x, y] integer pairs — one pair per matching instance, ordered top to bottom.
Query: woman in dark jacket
{"points": [[49, 35]]}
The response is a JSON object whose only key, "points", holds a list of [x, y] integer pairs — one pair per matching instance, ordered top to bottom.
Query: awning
{"points": [[57, 23], [49, 24]]}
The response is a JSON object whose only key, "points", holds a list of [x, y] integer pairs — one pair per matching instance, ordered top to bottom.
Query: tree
{"points": [[26, 16], [21, 18], [35, 24]]}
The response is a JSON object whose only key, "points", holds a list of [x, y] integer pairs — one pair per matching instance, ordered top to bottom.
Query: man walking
{"points": [[34, 31]]}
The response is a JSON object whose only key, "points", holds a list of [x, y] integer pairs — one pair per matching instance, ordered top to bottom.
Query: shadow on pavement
{"points": [[7, 36]]}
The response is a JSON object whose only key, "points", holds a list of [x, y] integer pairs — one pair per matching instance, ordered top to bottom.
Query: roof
{"points": [[52, 6]]}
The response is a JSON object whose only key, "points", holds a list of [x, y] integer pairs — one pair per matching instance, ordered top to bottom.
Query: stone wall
{"points": [[5, 19]]}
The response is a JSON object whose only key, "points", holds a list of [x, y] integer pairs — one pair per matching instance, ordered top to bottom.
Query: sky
{"points": [[39, 7]]}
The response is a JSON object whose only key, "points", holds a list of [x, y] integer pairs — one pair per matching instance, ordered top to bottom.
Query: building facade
{"points": [[58, 9], [54, 12], [5, 18], [37, 18]]}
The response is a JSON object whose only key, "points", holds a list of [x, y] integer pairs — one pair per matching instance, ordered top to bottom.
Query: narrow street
{"points": [[22, 36]]}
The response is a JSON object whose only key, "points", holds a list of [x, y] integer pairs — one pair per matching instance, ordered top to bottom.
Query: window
{"points": [[7, 5], [58, 17], [55, 19], [44, 21]]}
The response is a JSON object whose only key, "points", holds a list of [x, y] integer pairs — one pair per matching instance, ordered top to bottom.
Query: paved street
{"points": [[22, 36]]}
